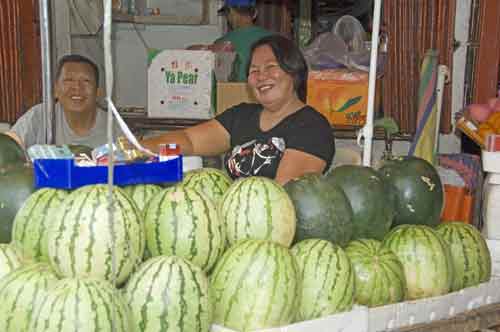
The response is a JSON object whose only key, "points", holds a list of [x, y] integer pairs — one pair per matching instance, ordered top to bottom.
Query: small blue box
{"points": [[64, 174]]}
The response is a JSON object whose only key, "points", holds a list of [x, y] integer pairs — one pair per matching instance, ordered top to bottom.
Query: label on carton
{"points": [[180, 84]]}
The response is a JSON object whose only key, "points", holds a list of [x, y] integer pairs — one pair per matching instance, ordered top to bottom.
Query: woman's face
{"points": [[272, 86]]}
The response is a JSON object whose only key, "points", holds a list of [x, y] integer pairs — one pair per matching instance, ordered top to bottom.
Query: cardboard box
{"points": [[180, 84], [232, 93], [341, 95]]}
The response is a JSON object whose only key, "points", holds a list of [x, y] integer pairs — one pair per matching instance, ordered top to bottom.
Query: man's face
{"points": [[76, 87]]}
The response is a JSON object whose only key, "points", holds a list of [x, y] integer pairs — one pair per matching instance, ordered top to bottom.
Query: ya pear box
{"points": [[180, 84], [341, 95]]}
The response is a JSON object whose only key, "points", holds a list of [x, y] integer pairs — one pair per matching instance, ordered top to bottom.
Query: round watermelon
{"points": [[11, 153], [210, 181], [16, 185], [418, 189], [142, 193], [371, 200], [258, 208], [323, 210], [183, 222], [32, 223], [85, 242], [469, 253], [425, 257], [10, 259], [380, 276], [327, 279], [255, 285], [19, 291], [168, 294], [89, 304]]}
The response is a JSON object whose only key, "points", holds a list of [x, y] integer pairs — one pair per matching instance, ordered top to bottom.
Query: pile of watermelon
{"points": [[247, 255]]}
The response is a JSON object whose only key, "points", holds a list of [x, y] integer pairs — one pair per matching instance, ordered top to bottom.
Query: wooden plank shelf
{"points": [[485, 318]]}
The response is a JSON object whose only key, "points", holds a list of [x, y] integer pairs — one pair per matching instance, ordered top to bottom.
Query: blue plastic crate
{"points": [[64, 174]]}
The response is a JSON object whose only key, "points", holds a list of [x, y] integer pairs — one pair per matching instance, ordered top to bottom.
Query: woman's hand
{"points": [[205, 139]]}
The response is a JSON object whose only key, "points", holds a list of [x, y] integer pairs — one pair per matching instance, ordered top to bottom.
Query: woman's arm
{"points": [[205, 139], [295, 163]]}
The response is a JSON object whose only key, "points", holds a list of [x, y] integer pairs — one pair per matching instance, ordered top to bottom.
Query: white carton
{"points": [[180, 84], [491, 161], [355, 320]]}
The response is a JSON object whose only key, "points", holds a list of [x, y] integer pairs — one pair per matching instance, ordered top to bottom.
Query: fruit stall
{"points": [[357, 249]]}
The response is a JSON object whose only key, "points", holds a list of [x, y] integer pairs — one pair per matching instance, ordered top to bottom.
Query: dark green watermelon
{"points": [[10, 152], [16, 185], [418, 189], [370, 197], [323, 210]]}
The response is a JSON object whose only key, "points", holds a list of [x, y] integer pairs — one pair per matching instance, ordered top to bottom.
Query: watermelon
{"points": [[11, 153], [210, 181], [16, 185], [418, 188], [142, 193], [371, 200], [258, 208], [323, 210], [181, 221], [32, 223], [81, 241], [469, 254], [425, 257], [10, 259], [380, 276], [327, 278], [255, 285], [19, 290], [168, 294], [83, 305]]}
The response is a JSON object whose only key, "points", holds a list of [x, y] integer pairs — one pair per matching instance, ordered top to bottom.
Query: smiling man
{"points": [[77, 118]]}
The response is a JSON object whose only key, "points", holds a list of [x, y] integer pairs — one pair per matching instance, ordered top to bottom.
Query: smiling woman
{"points": [[279, 137]]}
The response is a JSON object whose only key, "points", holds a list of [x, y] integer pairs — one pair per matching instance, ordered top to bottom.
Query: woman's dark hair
{"points": [[79, 59], [290, 59]]}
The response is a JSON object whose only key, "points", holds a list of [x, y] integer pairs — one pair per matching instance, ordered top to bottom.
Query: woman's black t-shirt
{"points": [[258, 153]]}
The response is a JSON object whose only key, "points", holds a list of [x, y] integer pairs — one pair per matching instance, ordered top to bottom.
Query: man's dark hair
{"points": [[79, 59], [290, 59]]}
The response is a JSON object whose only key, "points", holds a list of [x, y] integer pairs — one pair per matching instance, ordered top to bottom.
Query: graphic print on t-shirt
{"points": [[256, 158]]}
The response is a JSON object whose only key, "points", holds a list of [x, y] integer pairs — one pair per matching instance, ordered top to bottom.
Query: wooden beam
{"points": [[489, 52]]}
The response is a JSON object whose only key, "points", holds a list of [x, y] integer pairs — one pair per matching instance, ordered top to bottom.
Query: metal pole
{"points": [[48, 101], [367, 130]]}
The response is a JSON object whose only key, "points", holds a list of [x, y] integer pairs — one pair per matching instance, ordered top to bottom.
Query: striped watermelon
{"points": [[210, 181], [142, 193], [258, 208], [183, 222], [32, 223], [81, 241], [469, 253], [425, 257], [10, 259], [380, 276], [327, 278], [255, 285], [19, 290], [168, 294], [83, 305]]}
